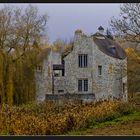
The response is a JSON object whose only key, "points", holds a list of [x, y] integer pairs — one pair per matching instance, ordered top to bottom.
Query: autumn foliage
{"points": [[133, 67], [55, 119]]}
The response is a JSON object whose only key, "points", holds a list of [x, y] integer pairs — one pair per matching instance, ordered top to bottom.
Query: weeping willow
{"points": [[6, 79], [17, 79], [24, 79], [9, 81], [2, 97]]}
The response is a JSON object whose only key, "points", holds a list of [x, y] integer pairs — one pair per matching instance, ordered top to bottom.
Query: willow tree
{"points": [[21, 31]]}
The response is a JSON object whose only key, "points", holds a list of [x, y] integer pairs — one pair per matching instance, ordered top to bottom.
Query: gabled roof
{"points": [[108, 46]]}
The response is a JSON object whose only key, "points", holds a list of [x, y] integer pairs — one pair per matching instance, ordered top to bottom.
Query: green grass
{"points": [[121, 120]]}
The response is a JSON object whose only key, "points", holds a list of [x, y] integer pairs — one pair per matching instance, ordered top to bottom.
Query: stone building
{"points": [[95, 69]]}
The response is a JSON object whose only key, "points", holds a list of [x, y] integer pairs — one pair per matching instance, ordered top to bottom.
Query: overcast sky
{"points": [[64, 19]]}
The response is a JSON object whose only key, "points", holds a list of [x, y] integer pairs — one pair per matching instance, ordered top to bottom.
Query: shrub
{"points": [[125, 108], [53, 119]]}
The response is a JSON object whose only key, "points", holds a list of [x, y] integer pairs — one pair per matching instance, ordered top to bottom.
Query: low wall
{"points": [[90, 97]]}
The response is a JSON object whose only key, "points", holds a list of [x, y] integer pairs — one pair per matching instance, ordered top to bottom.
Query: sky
{"points": [[64, 19]]}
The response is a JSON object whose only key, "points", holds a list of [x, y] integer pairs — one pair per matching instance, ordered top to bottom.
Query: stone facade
{"points": [[44, 75], [112, 83]]}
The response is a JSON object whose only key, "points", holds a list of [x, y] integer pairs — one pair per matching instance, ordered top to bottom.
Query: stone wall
{"points": [[72, 70], [44, 77], [42, 81], [59, 85], [108, 85], [71, 97]]}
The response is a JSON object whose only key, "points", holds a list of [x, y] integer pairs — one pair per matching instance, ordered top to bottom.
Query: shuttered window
{"points": [[83, 60]]}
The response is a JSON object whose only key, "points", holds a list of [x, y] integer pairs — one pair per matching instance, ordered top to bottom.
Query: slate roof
{"points": [[108, 46]]}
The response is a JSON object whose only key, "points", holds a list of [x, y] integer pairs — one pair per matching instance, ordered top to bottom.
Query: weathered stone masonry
{"points": [[111, 84]]}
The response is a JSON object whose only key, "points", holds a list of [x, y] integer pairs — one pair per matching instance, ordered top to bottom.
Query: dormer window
{"points": [[113, 50]]}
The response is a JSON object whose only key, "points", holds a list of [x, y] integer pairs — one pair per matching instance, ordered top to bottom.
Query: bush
{"points": [[125, 108], [53, 119]]}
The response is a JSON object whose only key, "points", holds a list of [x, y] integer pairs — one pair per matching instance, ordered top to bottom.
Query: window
{"points": [[83, 60], [38, 68], [99, 70], [79, 85], [83, 85], [123, 87], [60, 91]]}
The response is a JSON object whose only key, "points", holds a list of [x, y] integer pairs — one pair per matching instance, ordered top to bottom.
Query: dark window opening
{"points": [[83, 60], [63, 62], [99, 70], [63, 72], [83, 85], [123, 87], [59, 91]]}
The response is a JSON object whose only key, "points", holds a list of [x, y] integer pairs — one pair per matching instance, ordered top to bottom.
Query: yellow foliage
{"points": [[131, 53], [1, 77], [9, 82], [51, 118]]}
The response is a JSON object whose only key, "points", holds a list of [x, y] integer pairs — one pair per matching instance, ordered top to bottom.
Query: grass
{"points": [[127, 117], [54, 119], [121, 120]]}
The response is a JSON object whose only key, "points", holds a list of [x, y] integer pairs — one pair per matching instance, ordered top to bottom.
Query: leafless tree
{"points": [[128, 23], [20, 29]]}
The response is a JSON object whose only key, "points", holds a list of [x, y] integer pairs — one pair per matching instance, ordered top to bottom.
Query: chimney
{"points": [[101, 30], [78, 34]]}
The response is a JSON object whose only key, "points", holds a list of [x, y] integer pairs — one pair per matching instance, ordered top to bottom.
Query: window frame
{"points": [[82, 60], [100, 70], [83, 85]]}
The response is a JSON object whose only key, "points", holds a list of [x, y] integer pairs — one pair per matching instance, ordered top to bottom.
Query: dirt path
{"points": [[131, 128]]}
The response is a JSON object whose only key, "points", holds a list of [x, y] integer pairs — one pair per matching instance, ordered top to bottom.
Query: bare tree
{"points": [[128, 23], [20, 29]]}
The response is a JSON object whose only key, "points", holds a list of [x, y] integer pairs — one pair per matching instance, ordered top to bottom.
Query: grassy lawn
{"points": [[103, 118], [116, 124], [124, 125]]}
